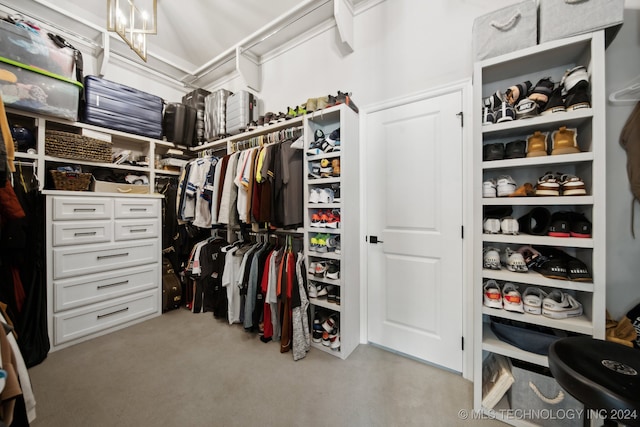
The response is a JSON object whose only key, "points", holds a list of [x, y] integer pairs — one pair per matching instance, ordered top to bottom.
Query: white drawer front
{"points": [[74, 208], [137, 208], [130, 229], [82, 232], [68, 262], [84, 290], [74, 324]]}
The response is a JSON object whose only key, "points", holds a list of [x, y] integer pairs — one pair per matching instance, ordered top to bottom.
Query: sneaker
{"points": [[575, 84], [518, 92], [541, 92], [493, 101], [556, 102], [526, 109], [291, 113], [505, 113], [488, 117], [334, 137], [563, 141], [537, 144], [515, 149], [493, 152], [314, 170], [326, 170], [505, 185], [548, 185], [571, 185], [489, 188], [336, 192], [314, 195], [326, 195], [316, 219], [332, 219], [491, 225], [509, 225], [559, 225], [579, 225], [322, 243], [531, 256], [491, 258], [515, 261], [319, 269], [333, 271], [312, 290], [324, 290], [331, 294], [492, 294], [338, 295], [511, 298], [532, 300], [560, 305], [330, 323], [317, 330], [325, 339], [334, 341]]}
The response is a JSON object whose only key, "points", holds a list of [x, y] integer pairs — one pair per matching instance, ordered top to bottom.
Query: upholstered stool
{"points": [[603, 375]]}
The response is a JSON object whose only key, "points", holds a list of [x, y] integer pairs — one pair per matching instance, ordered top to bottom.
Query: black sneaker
{"points": [[578, 98], [556, 102], [505, 113], [515, 149], [493, 152], [560, 224], [579, 225]]}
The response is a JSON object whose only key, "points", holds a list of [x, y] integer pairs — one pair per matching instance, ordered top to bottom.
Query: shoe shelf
{"points": [[552, 60], [537, 161], [538, 201], [527, 239], [537, 279], [348, 311], [580, 324], [491, 343]]}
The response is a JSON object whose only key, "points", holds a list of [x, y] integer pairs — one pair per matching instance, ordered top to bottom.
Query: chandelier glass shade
{"points": [[133, 20]]}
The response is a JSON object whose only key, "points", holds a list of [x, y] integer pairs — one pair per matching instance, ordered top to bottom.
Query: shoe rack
{"points": [[548, 59], [347, 177]]}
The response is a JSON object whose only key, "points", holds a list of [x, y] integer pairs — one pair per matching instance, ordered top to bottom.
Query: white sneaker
{"points": [[505, 186], [489, 188], [314, 195], [326, 195], [491, 225], [509, 225], [491, 258], [515, 261], [492, 294], [511, 298], [532, 300], [560, 305]]}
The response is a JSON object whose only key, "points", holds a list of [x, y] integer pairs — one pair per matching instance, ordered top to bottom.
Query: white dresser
{"points": [[103, 263]]}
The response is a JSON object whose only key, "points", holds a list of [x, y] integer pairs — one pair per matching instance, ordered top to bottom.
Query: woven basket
{"points": [[74, 146], [71, 181]]}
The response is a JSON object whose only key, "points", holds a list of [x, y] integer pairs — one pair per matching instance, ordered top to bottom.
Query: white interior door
{"points": [[414, 208]]}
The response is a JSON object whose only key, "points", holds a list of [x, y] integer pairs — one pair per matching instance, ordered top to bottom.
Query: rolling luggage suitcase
{"points": [[195, 99], [116, 106], [240, 111], [215, 119], [179, 123], [171, 286]]}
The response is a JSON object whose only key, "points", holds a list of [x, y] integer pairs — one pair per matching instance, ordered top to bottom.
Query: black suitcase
{"points": [[195, 99], [116, 106], [179, 123], [171, 287]]}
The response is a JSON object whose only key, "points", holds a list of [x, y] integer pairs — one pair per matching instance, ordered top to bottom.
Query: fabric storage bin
{"points": [[565, 18], [505, 30], [36, 49], [28, 88], [117, 187], [537, 394]]}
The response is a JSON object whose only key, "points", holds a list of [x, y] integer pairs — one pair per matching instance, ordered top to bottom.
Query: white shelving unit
{"points": [[549, 59], [348, 312]]}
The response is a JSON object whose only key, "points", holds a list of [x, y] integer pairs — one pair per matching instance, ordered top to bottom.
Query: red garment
{"points": [[10, 207], [18, 289]]}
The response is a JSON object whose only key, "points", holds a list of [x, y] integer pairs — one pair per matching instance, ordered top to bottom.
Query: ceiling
{"points": [[196, 39]]}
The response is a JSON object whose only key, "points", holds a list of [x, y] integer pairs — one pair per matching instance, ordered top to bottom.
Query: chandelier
{"points": [[133, 20]]}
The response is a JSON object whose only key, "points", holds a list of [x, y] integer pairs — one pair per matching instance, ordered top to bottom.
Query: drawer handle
{"points": [[84, 209], [138, 209], [138, 230], [87, 233], [113, 256], [124, 282], [100, 316]]}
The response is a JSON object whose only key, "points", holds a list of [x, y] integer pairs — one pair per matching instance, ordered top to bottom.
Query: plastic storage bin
{"points": [[35, 49], [28, 88]]}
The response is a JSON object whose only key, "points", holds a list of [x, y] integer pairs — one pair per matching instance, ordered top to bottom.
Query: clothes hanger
{"points": [[628, 95]]}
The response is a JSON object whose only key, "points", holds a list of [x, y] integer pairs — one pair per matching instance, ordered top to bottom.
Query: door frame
{"points": [[464, 87]]}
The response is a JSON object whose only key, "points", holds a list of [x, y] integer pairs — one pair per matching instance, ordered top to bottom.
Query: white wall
{"points": [[623, 252]]}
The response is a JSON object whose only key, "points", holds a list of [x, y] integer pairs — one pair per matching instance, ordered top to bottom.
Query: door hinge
{"points": [[461, 115], [462, 231], [462, 343]]}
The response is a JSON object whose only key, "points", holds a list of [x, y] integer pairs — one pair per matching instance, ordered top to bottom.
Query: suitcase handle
{"points": [[509, 24]]}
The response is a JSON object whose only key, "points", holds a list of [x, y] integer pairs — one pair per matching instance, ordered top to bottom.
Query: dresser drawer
{"points": [[75, 208], [137, 208], [130, 229], [81, 232], [76, 261], [84, 290], [73, 324]]}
